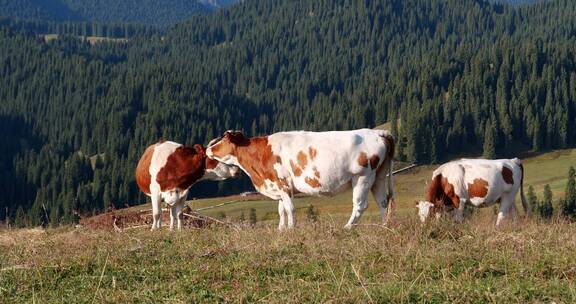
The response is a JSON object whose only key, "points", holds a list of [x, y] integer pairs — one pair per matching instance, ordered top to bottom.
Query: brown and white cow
{"points": [[315, 163], [167, 170], [480, 182]]}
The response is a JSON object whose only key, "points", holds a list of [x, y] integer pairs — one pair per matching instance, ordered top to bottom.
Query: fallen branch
{"points": [[404, 169], [219, 205], [205, 217], [135, 227], [116, 228]]}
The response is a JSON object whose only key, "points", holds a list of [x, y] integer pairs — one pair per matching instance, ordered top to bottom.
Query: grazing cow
{"points": [[315, 163], [167, 170], [478, 181]]}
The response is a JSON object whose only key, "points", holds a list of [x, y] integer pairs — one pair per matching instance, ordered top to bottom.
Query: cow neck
{"points": [[257, 160]]}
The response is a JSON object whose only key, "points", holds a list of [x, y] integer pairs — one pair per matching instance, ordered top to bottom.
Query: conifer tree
{"points": [[489, 141], [569, 203], [545, 209]]}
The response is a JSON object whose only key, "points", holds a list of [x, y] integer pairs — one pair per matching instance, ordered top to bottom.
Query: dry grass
{"points": [[529, 261], [524, 262]]}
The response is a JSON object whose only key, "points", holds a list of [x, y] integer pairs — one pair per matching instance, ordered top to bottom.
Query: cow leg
{"points": [[360, 187], [383, 190], [382, 197], [505, 204], [507, 207], [289, 209], [156, 212], [513, 212], [281, 213], [459, 213], [175, 214]]}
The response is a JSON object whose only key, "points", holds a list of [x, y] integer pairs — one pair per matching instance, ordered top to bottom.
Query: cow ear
{"points": [[237, 138], [199, 149]]}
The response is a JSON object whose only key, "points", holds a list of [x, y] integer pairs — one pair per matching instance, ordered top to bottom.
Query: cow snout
{"points": [[209, 153]]}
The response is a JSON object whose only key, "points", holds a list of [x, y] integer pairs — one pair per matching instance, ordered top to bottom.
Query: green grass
{"points": [[318, 262], [524, 262]]}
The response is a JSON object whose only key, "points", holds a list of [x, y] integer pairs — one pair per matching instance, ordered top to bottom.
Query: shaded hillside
{"points": [[152, 12]]}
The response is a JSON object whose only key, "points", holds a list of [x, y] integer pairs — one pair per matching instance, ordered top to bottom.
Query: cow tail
{"points": [[390, 143], [527, 207]]}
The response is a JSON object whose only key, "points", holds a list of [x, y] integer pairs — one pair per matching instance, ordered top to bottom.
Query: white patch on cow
{"points": [[159, 158]]}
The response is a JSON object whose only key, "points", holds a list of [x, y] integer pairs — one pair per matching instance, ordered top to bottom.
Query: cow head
{"points": [[224, 148], [215, 170], [425, 209]]}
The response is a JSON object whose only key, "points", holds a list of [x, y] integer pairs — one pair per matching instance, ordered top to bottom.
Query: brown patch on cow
{"points": [[228, 144], [390, 145], [312, 153], [256, 157], [278, 159], [302, 160], [363, 160], [374, 160], [182, 169], [295, 169], [316, 173], [507, 175], [143, 177], [313, 182], [479, 188], [441, 192]]}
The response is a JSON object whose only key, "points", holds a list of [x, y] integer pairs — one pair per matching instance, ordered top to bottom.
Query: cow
{"points": [[314, 163], [167, 170], [481, 182]]}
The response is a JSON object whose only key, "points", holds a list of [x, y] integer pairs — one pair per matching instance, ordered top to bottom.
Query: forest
{"points": [[160, 13], [460, 77]]}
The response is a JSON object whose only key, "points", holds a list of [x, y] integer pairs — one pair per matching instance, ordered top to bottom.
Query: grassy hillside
{"points": [[527, 261], [318, 262]]}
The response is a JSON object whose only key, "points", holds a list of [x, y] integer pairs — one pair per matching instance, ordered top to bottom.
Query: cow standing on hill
{"points": [[315, 163], [167, 170], [478, 181]]}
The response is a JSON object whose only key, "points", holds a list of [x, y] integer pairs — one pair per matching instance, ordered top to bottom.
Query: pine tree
{"points": [[490, 141], [532, 198], [569, 203], [545, 209], [20, 218]]}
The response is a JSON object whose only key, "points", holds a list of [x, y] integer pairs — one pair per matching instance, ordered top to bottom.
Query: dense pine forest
{"points": [[160, 13], [461, 76]]}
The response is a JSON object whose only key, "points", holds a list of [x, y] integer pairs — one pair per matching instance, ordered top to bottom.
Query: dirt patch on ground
{"points": [[121, 219]]}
